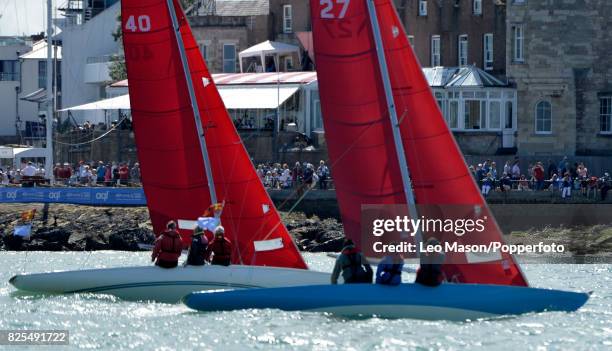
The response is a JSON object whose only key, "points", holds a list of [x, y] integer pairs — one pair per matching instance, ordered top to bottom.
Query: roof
{"points": [[236, 8], [269, 47], [40, 52], [469, 76], [436, 77], [253, 78], [39, 95], [234, 97], [115, 103]]}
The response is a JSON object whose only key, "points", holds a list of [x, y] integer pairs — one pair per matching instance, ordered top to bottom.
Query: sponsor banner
{"points": [[79, 196]]}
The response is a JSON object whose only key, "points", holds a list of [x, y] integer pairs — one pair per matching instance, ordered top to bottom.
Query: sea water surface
{"points": [[104, 322]]}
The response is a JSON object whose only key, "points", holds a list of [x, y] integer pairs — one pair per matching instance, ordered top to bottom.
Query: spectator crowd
{"points": [[81, 174], [300, 176], [564, 178]]}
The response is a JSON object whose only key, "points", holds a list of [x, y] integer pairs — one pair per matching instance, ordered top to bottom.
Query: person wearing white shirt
{"points": [[29, 170]]}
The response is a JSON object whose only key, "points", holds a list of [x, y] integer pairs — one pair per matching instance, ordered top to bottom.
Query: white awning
{"points": [[269, 48], [234, 98], [256, 98], [117, 103], [22, 152]]}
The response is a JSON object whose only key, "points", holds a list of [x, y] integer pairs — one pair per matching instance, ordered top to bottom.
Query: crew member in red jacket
{"points": [[168, 247], [220, 248]]}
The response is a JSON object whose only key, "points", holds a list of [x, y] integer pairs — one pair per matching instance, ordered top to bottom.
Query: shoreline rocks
{"points": [[60, 227]]}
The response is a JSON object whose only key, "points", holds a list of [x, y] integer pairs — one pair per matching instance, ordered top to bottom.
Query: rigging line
{"points": [[93, 140], [298, 201]]}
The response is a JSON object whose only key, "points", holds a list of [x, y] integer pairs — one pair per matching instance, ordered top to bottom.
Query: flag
{"points": [[210, 211], [28, 216], [208, 223], [23, 231]]}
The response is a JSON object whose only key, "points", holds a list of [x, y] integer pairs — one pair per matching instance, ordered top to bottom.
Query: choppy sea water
{"points": [[103, 322]]}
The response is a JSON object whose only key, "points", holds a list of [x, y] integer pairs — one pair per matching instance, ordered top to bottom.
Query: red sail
{"points": [[359, 135], [172, 167]]}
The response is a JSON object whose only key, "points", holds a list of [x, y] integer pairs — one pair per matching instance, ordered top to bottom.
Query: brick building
{"points": [[223, 28], [457, 32], [559, 58]]}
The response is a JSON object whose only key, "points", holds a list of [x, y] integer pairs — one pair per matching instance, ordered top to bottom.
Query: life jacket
{"points": [[171, 246], [197, 250], [222, 250], [354, 271], [390, 271], [429, 275]]}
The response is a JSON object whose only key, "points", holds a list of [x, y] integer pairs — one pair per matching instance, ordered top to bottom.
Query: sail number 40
{"points": [[327, 6], [142, 23]]}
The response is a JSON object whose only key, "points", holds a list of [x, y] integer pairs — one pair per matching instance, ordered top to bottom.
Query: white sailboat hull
{"points": [[164, 285]]}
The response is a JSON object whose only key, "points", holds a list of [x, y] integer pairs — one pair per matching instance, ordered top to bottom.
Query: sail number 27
{"points": [[327, 6], [142, 23]]}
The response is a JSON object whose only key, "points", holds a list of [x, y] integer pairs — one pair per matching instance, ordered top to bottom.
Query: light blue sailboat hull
{"points": [[445, 302]]}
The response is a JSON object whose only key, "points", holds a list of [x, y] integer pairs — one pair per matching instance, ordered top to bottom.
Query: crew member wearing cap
{"points": [[168, 247], [220, 248], [197, 250], [430, 272]]}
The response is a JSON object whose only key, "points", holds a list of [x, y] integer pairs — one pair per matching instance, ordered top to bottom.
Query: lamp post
{"points": [[49, 119]]}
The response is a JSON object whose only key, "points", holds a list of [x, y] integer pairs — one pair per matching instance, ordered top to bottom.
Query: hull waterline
{"points": [[164, 285], [457, 302]]}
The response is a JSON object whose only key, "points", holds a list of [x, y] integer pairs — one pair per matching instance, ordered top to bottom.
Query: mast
{"points": [[194, 103], [49, 119], [397, 137]]}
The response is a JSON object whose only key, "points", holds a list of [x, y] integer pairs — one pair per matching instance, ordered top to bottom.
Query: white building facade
{"points": [[87, 54], [10, 87]]}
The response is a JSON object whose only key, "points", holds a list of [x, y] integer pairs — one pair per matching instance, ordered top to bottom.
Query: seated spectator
{"points": [[505, 182], [523, 183], [554, 183], [487, 184], [592, 184]]}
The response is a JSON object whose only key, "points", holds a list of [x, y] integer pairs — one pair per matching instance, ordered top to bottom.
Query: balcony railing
{"points": [[10, 76]]}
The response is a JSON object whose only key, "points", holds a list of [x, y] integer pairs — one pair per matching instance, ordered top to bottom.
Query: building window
{"points": [[422, 7], [477, 7], [287, 19], [518, 38], [411, 41], [204, 50], [463, 50], [435, 51], [488, 51], [229, 58], [288, 63], [9, 70], [42, 74], [453, 114], [475, 114], [605, 114], [495, 115], [509, 115], [543, 118], [317, 119]]}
